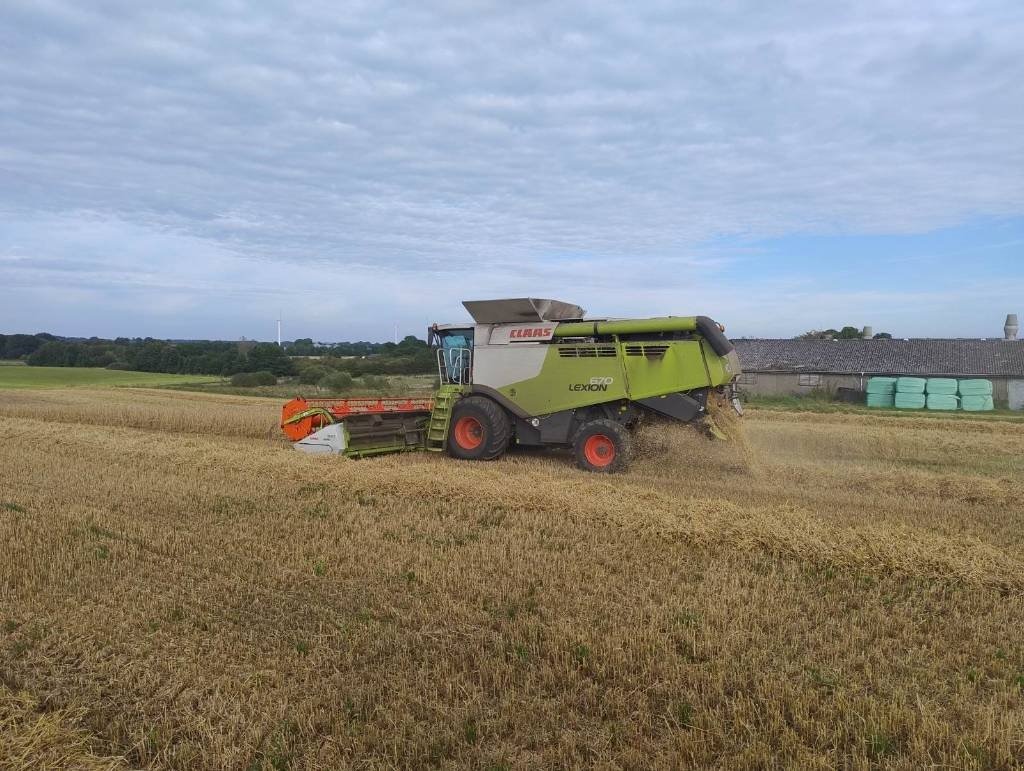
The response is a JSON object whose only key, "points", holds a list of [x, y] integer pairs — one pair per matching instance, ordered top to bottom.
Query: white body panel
{"points": [[517, 334], [501, 360], [328, 440]]}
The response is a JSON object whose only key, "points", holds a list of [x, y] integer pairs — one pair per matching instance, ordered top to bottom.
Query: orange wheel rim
{"points": [[469, 433], [599, 450]]}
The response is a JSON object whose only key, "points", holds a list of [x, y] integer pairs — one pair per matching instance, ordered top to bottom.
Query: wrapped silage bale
{"points": [[881, 385], [910, 385], [941, 385], [975, 387], [880, 391], [881, 400], [906, 401], [943, 402], [976, 402]]}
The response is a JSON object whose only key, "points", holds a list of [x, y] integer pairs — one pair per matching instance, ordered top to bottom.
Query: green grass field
{"points": [[67, 377]]}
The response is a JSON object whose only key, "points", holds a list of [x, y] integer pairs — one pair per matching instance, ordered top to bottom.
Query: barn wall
{"points": [[788, 384], [1015, 390], [1000, 391]]}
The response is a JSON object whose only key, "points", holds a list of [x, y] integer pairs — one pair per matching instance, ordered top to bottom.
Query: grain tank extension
{"points": [[537, 373]]}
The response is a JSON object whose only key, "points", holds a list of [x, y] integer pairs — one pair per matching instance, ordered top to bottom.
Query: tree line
{"points": [[20, 346], [214, 357]]}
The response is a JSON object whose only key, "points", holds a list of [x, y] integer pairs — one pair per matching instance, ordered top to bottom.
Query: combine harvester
{"points": [[536, 373]]}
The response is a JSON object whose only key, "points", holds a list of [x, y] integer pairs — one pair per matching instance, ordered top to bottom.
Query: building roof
{"points": [[958, 358]]}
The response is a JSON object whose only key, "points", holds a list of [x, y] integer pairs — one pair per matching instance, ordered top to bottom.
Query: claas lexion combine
{"points": [[536, 373]]}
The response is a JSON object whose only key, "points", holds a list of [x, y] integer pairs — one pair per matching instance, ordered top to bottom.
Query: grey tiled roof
{"points": [[1003, 358]]}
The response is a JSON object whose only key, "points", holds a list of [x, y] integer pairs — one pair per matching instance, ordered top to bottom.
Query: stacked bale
{"points": [[881, 391], [910, 393], [935, 393], [941, 393], [976, 395]]}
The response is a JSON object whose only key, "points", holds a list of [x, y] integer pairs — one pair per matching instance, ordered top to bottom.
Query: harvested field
{"points": [[180, 589]]}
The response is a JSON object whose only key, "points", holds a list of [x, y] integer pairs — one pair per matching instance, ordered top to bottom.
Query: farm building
{"points": [[794, 367]]}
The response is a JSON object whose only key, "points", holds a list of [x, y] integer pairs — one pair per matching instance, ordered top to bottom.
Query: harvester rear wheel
{"points": [[480, 429], [603, 446]]}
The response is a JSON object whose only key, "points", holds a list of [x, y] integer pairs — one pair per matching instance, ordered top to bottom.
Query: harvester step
{"points": [[440, 418]]}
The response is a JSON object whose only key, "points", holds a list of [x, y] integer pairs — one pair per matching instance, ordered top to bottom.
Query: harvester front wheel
{"points": [[480, 429], [603, 446]]}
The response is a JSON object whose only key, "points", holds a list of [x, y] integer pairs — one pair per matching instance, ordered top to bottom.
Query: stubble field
{"points": [[180, 589]]}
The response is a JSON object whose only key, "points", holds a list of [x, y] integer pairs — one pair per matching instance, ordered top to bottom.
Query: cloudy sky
{"points": [[188, 169]]}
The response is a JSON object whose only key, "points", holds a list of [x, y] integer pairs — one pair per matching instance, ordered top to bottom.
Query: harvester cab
{"points": [[454, 346], [537, 373]]}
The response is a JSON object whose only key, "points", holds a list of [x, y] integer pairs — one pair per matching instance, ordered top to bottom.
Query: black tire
{"points": [[480, 429], [603, 446]]}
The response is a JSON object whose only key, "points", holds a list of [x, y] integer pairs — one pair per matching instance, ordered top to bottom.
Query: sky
{"points": [[195, 169]]}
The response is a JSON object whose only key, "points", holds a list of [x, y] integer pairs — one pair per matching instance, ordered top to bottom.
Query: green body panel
{"points": [[626, 326], [681, 368], [720, 369], [635, 371], [551, 390], [372, 434], [383, 449]]}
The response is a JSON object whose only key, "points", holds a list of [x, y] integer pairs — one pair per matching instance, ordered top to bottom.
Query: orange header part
{"points": [[341, 409]]}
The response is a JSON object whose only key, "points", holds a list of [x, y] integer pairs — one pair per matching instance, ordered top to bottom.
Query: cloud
{"points": [[449, 149]]}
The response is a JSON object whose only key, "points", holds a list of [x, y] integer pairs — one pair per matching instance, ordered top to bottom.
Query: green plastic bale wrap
{"points": [[881, 385], [910, 385], [942, 386], [975, 387], [881, 400], [904, 401], [943, 402], [976, 402]]}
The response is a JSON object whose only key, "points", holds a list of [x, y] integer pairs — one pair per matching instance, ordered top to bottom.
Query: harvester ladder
{"points": [[441, 417]]}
